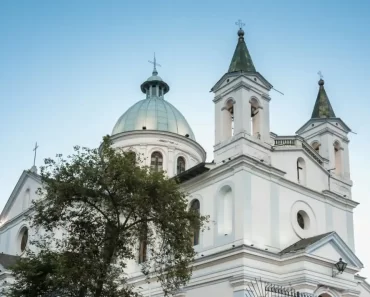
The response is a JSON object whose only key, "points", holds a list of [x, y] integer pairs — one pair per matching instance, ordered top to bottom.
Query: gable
{"points": [[254, 77], [313, 124], [20, 199], [331, 248], [330, 252]]}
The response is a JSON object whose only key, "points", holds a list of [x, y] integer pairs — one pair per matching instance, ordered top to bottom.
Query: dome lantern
{"points": [[154, 86]]}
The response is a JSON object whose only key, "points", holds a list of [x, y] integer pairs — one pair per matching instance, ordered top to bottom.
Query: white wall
{"points": [[170, 145]]}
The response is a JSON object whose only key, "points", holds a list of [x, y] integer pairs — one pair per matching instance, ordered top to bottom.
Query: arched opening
{"points": [[229, 118], [255, 118], [316, 146], [337, 158], [156, 162], [180, 165], [301, 171], [195, 206], [225, 211], [23, 236], [325, 295]]}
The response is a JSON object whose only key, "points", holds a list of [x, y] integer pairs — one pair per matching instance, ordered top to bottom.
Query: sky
{"points": [[69, 69]]}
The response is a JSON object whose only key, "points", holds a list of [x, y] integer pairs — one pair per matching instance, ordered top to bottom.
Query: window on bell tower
{"points": [[231, 111], [255, 118], [316, 146], [337, 158]]}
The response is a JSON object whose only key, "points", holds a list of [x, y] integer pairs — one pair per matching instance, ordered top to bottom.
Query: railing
{"points": [[285, 142], [297, 142], [311, 153], [259, 288]]}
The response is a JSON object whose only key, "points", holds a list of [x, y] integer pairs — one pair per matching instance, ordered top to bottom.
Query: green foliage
{"points": [[103, 203]]}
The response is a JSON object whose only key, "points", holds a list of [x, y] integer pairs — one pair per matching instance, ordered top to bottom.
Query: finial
{"points": [[240, 24], [155, 72], [321, 81]]}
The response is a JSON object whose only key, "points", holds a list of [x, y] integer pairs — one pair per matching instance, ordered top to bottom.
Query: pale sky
{"points": [[69, 69]]}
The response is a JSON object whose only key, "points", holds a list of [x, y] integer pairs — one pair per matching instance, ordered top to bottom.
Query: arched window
{"points": [[255, 118], [316, 146], [131, 155], [338, 158], [156, 161], [180, 165], [301, 171], [195, 206], [225, 211], [23, 239], [143, 245]]}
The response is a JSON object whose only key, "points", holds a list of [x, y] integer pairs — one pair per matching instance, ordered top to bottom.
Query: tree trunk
{"points": [[107, 255]]}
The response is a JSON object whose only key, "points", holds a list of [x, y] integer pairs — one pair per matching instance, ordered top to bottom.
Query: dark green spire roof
{"points": [[242, 60], [322, 108]]}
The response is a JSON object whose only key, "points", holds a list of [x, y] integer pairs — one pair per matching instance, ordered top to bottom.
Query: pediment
{"points": [[254, 77], [336, 123], [22, 195], [331, 248]]}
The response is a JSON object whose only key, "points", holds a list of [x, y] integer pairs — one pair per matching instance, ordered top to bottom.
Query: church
{"points": [[280, 207]]}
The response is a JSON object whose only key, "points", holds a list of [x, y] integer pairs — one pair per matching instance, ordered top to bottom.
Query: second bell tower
{"points": [[242, 118]]}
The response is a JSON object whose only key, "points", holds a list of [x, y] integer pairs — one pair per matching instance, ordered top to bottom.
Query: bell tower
{"points": [[242, 118], [328, 135]]}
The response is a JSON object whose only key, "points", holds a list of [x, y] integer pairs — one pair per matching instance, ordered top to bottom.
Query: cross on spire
{"points": [[240, 24], [154, 62], [320, 74], [35, 150]]}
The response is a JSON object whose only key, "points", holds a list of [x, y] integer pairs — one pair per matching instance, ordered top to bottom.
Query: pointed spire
{"points": [[242, 60], [322, 108]]}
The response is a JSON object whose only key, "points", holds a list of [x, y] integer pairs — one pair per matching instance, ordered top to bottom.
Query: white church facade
{"points": [[280, 207]]}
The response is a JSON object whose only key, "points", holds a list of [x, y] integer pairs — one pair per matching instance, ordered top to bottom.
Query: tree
{"points": [[96, 206]]}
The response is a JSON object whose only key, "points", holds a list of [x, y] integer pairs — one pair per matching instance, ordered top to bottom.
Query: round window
{"points": [[303, 220], [23, 239]]}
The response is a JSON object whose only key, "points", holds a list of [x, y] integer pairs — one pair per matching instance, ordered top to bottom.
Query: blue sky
{"points": [[69, 69]]}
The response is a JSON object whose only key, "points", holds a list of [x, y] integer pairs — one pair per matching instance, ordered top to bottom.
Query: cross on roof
{"points": [[240, 24], [154, 62], [320, 74], [35, 150]]}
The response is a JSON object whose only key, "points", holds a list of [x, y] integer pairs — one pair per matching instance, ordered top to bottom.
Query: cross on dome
{"points": [[155, 64]]}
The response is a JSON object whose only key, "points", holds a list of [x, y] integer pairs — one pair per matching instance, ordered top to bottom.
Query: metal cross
{"points": [[240, 24], [155, 63], [320, 74], [35, 150]]}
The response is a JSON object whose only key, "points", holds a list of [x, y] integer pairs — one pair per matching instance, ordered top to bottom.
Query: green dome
{"points": [[153, 113]]}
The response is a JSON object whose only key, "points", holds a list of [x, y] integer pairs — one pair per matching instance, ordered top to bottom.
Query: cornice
{"points": [[154, 133], [242, 136], [227, 169], [15, 220], [240, 275]]}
